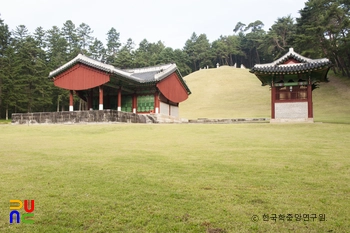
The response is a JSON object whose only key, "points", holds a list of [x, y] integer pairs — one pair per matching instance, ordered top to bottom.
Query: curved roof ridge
{"points": [[292, 54], [93, 63], [149, 68], [164, 73]]}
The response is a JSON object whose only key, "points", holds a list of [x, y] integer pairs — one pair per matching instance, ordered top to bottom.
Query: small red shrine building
{"points": [[292, 79], [157, 89]]}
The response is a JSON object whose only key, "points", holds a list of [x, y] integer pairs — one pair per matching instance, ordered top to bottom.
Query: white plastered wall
{"points": [[164, 108], [174, 111], [291, 112]]}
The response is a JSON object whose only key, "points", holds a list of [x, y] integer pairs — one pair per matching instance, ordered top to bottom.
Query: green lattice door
{"points": [[127, 103], [145, 103]]}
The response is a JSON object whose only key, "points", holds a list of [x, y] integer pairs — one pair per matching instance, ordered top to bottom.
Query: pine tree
{"points": [[323, 30], [69, 32], [5, 37], [85, 37], [113, 45], [97, 51], [58, 55], [125, 58], [30, 83]]}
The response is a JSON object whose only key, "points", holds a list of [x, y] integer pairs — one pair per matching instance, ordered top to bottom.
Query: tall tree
{"points": [[239, 27], [323, 29], [69, 32], [5, 37], [40, 37], [85, 37], [279, 38], [251, 40], [254, 40], [113, 45], [56, 47], [189, 48], [220, 49], [97, 50], [198, 50], [226, 50], [147, 53], [57, 56], [125, 56], [180, 58], [31, 84], [9, 90]]}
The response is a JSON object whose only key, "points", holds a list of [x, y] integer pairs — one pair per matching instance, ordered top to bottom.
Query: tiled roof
{"points": [[92, 63], [278, 66], [154, 73], [140, 75], [146, 76]]}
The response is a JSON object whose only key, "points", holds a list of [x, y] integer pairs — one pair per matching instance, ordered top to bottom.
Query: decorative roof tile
{"points": [[89, 62], [304, 65]]}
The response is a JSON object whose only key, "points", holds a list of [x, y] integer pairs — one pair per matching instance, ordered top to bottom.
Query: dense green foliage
{"points": [[27, 58]]}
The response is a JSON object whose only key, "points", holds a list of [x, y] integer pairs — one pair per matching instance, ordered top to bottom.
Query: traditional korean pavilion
{"points": [[292, 79], [157, 89]]}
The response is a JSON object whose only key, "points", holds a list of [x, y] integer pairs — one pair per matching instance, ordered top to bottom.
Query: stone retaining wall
{"points": [[110, 116], [78, 117], [161, 118]]}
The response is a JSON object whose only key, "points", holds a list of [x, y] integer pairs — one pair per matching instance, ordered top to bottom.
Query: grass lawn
{"points": [[332, 100], [187, 177], [176, 178]]}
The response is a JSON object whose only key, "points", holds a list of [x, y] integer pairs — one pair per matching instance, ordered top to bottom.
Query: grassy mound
{"points": [[227, 92]]}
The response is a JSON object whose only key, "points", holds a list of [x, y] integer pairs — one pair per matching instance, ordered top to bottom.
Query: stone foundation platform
{"points": [[114, 116], [79, 117], [293, 120]]}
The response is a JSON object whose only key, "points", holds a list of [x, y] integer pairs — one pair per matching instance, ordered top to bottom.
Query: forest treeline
{"points": [[26, 58]]}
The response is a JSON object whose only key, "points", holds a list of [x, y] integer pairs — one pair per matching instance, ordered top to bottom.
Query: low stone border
{"points": [[113, 116], [230, 121]]}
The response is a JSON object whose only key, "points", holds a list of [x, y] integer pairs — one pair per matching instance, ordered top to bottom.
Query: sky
{"points": [[171, 22]]}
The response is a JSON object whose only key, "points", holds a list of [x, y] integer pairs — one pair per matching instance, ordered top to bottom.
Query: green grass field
{"points": [[186, 177], [176, 178]]}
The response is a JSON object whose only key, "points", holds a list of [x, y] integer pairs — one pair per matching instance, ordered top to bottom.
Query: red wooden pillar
{"points": [[90, 98], [120, 99], [273, 100], [309, 101], [134, 103], [156, 103], [100, 107], [71, 108]]}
